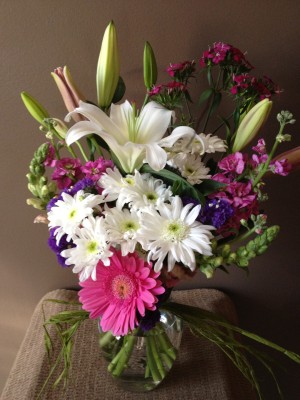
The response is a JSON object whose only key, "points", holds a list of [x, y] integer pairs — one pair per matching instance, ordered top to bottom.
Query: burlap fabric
{"points": [[201, 371]]}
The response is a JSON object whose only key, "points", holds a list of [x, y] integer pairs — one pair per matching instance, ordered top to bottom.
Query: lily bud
{"points": [[150, 66], [108, 69], [68, 90], [35, 109], [251, 124], [292, 156]]}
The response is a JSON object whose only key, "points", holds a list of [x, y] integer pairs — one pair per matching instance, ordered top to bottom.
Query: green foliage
{"points": [[38, 184], [224, 255], [66, 324], [218, 330]]}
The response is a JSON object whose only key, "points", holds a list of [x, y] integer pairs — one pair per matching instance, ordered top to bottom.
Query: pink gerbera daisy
{"points": [[128, 285]]}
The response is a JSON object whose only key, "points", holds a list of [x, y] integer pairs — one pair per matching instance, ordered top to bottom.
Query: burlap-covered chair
{"points": [[201, 370]]}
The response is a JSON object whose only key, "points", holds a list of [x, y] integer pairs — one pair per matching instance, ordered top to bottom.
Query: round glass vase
{"points": [[140, 360]]}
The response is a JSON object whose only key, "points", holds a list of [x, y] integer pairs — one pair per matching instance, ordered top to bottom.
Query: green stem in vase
{"points": [[107, 339], [166, 344], [156, 357], [151, 362], [119, 363]]}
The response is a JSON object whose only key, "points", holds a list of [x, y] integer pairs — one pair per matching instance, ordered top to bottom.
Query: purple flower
{"points": [[67, 171], [83, 184], [216, 212], [58, 248], [149, 320]]}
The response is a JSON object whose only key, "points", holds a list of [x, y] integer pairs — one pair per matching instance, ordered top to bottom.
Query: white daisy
{"points": [[212, 143], [192, 168], [113, 182], [146, 192], [67, 214], [123, 227], [174, 232], [91, 246]]}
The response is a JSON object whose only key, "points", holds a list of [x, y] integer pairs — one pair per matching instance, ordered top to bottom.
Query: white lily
{"points": [[133, 139]]}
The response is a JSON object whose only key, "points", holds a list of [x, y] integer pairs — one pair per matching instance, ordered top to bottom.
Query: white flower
{"points": [[134, 139], [213, 143], [190, 145], [191, 167], [113, 182], [146, 192], [67, 214], [123, 227], [174, 232], [91, 247]]}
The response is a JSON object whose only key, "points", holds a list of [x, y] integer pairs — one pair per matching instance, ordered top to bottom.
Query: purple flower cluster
{"points": [[216, 212], [59, 247]]}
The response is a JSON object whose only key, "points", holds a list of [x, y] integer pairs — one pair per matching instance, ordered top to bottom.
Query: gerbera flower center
{"points": [[175, 231], [122, 287]]}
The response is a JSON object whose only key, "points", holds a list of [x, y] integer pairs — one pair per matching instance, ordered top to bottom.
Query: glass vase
{"points": [[140, 360]]}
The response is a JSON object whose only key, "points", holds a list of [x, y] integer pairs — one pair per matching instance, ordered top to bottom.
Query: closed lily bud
{"points": [[150, 67], [108, 69], [68, 90], [35, 109], [251, 124], [292, 156]]}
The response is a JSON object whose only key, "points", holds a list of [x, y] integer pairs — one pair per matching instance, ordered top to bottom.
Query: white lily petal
{"points": [[119, 114], [97, 116], [153, 122], [81, 129], [177, 133], [156, 157]]}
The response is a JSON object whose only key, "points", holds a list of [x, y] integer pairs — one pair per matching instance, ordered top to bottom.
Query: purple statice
{"points": [[83, 184], [216, 212], [59, 247], [149, 320]]}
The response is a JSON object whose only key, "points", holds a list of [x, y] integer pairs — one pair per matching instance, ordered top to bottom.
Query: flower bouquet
{"points": [[157, 192]]}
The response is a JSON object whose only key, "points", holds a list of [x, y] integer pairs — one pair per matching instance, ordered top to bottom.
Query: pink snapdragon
{"points": [[67, 171]]}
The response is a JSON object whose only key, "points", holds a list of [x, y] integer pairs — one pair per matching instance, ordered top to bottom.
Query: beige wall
{"points": [[37, 36]]}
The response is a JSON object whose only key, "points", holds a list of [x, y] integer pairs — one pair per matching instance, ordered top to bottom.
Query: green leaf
{"points": [[120, 91], [205, 96], [216, 102], [171, 177], [209, 186]]}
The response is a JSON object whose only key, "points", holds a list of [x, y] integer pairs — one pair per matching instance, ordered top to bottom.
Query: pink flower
{"points": [[186, 67], [155, 90], [260, 148], [50, 159], [257, 160], [232, 163], [281, 167], [95, 169], [67, 171], [127, 287]]}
